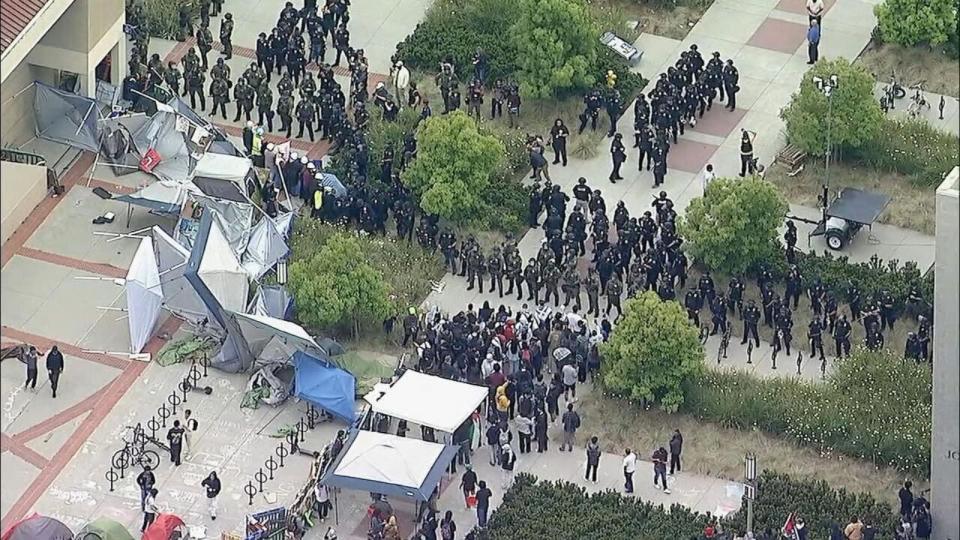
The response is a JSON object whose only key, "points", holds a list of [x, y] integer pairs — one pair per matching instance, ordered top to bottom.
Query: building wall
{"points": [[102, 16], [71, 30], [17, 124], [22, 189], [945, 490]]}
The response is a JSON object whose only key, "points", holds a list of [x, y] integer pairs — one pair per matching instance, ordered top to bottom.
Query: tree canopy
{"points": [[911, 22], [556, 44], [853, 118], [454, 166], [734, 226], [337, 286], [653, 350]]}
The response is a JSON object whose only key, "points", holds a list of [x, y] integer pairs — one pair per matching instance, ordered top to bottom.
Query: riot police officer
{"points": [[226, 35], [204, 43], [243, 94], [221, 95], [592, 102], [265, 105], [285, 110], [305, 114], [618, 154], [693, 301], [751, 317]]}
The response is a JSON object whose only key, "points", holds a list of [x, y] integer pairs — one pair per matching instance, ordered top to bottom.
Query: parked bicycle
{"points": [[892, 92], [918, 102], [135, 450]]}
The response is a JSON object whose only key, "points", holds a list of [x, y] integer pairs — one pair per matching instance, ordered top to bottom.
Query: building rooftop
{"points": [[15, 16]]}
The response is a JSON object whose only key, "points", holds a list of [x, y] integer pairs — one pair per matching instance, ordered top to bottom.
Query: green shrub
{"points": [[163, 17], [911, 22], [456, 28], [853, 119], [913, 148], [454, 166], [504, 207], [733, 227], [406, 267], [837, 273], [336, 287], [654, 350], [874, 406], [820, 506], [535, 509]]}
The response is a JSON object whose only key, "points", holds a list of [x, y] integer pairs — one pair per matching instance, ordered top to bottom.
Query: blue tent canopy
{"points": [[325, 385], [390, 465]]}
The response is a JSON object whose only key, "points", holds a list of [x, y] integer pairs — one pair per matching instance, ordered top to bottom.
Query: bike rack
{"points": [[112, 476]]}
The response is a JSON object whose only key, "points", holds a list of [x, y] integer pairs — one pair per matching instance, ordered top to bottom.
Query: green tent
{"points": [[103, 529]]}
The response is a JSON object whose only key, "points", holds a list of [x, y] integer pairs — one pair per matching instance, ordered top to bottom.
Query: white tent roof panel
{"points": [[144, 295], [430, 401], [389, 459]]}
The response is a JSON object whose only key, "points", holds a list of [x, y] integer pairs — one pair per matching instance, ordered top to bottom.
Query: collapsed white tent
{"points": [[223, 167], [220, 270], [144, 295], [435, 402], [391, 465]]}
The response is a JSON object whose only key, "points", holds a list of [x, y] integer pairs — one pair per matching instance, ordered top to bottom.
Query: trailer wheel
{"points": [[835, 240]]}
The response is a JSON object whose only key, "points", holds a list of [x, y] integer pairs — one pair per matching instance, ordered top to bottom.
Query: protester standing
{"points": [[813, 42], [30, 358], [54, 367], [571, 421], [189, 428], [175, 438], [676, 447], [659, 459], [593, 460], [508, 461], [629, 467], [146, 481], [468, 483], [212, 488], [322, 500], [483, 503], [448, 528]]}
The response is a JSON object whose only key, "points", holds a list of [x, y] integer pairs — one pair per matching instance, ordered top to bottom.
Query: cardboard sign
{"points": [[150, 160]]}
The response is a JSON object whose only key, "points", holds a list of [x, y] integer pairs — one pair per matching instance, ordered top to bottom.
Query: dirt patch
{"points": [[667, 18], [913, 64], [911, 207], [713, 450]]}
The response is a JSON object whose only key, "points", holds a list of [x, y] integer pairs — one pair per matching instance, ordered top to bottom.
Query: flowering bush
{"points": [[913, 148], [874, 406]]}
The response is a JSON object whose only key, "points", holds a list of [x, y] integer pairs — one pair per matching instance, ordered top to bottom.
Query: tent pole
{"points": [[15, 96], [84, 121], [96, 161], [129, 214], [117, 236], [336, 507]]}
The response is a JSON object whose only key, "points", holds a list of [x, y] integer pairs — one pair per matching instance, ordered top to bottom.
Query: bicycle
{"points": [[892, 92], [918, 101], [134, 450]]}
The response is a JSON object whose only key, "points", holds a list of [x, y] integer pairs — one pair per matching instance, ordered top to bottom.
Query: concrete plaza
{"points": [[57, 275]]}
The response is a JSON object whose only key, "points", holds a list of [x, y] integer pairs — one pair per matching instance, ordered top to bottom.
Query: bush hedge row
{"points": [[913, 148], [874, 406], [534, 510]]}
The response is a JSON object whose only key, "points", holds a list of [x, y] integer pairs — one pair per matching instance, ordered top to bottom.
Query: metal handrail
{"points": [[19, 156]]}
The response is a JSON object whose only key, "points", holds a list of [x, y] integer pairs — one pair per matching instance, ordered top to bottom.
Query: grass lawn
{"points": [[667, 18], [913, 64], [911, 207], [713, 450]]}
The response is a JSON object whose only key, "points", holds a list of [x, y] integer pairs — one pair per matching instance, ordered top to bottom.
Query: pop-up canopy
{"points": [[67, 118], [144, 295], [325, 385], [430, 401], [390, 465]]}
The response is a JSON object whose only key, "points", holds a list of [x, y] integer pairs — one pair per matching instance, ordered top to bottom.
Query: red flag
{"points": [[790, 526]]}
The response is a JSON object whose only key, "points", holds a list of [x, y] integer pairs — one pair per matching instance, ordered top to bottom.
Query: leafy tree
{"points": [[911, 22], [556, 46], [854, 116], [453, 168], [733, 227], [338, 286], [653, 350]]}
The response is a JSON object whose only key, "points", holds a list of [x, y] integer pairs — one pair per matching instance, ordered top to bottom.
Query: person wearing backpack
{"points": [[448, 529]]}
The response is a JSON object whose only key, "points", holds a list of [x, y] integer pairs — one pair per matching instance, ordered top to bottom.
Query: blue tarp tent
{"points": [[325, 385], [390, 465]]}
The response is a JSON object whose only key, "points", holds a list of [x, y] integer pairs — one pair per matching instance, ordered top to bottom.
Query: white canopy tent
{"points": [[221, 271], [144, 295], [179, 296], [429, 401], [391, 465]]}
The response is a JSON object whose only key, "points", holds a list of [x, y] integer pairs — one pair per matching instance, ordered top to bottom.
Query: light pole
{"points": [[826, 87], [750, 488]]}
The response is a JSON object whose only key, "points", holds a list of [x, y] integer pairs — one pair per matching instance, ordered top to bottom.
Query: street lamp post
{"points": [[826, 87], [750, 488]]}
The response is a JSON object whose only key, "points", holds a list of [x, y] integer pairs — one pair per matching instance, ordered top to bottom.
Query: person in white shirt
{"points": [[815, 10], [401, 80], [707, 176], [569, 374], [629, 467], [322, 501], [149, 509]]}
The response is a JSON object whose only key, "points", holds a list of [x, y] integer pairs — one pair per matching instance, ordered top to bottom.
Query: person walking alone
{"points": [[813, 42], [54, 367], [571, 421], [676, 447], [508, 460], [593, 460], [629, 467], [146, 481], [212, 486]]}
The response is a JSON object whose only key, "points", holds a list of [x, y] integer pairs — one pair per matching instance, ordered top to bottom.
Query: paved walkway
{"points": [[951, 109]]}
